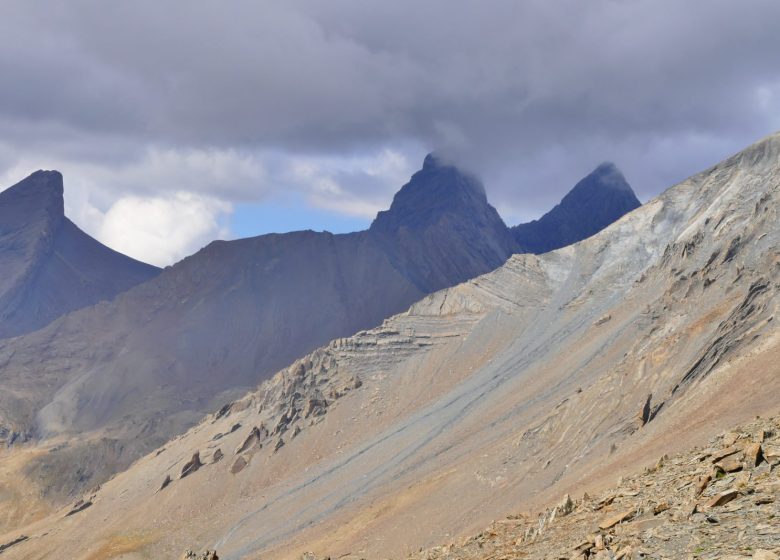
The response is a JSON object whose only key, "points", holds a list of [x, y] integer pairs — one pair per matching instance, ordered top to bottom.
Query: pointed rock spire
{"points": [[438, 189], [440, 228], [48, 266]]}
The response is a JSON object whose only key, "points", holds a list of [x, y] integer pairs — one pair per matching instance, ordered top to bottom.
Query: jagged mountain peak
{"points": [[435, 160], [609, 176], [606, 178], [42, 181], [437, 189], [596, 201], [442, 207]]}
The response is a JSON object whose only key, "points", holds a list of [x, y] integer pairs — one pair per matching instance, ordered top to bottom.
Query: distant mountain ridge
{"points": [[48, 266], [131, 372]]}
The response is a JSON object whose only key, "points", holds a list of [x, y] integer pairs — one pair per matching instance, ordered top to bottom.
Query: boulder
{"points": [[315, 407], [253, 439], [218, 455], [753, 455], [717, 456], [732, 463], [192, 465], [238, 465], [165, 482], [701, 483], [722, 499], [79, 506], [566, 506], [613, 520], [207, 555]]}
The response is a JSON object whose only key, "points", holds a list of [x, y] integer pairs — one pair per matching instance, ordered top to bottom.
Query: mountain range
{"points": [[553, 374], [116, 379]]}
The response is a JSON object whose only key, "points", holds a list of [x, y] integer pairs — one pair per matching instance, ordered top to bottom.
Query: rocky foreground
{"points": [[717, 502]]}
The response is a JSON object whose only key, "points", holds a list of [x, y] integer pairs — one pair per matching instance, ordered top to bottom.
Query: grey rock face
{"points": [[48, 266]]}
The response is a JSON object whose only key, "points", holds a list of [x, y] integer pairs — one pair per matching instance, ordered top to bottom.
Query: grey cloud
{"points": [[530, 95]]}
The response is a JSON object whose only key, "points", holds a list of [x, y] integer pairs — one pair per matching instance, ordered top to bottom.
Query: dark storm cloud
{"points": [[529, 94]]}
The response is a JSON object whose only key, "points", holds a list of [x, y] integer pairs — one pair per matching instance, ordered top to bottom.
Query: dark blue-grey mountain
{"points": [[595, 202], [441, 230], [48, 266]]}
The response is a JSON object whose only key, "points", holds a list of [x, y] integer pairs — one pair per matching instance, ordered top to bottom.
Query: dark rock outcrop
{"points": [[192, 465], [166, 482], [9, 544]]}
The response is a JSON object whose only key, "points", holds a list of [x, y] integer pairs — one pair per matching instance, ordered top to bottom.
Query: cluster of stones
{"points": [[720, 502], [206, 555]]}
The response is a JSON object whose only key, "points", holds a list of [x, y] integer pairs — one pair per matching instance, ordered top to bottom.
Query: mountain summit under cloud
{"points": [[435, 192], [595, 202], [441, 206], [48, 266]]}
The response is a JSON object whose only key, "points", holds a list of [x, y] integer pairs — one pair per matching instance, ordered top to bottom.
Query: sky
{"points": [[179, 122]]}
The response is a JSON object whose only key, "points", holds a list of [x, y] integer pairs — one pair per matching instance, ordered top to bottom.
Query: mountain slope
{"points": [[595, 202], [49, 267], [552, 374], [117, 379]]}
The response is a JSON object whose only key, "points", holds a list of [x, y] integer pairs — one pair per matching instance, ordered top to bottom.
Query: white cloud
{"points": [[356, 186], [163, 230]]}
